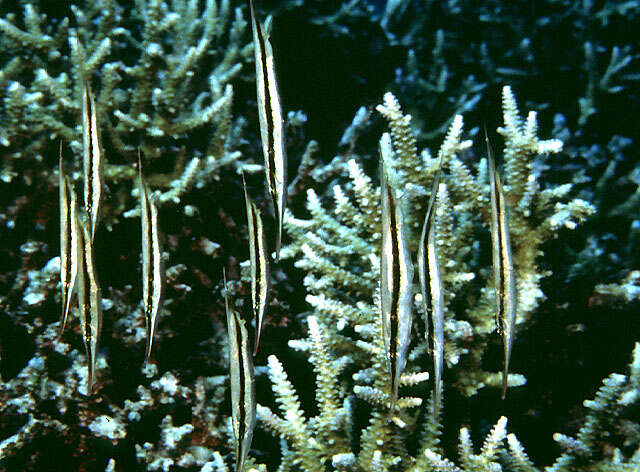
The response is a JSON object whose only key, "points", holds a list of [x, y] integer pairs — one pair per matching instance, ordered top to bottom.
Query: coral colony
{"points": [[178, 361]]}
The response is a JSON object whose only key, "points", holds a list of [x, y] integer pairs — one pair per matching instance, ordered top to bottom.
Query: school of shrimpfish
{"points": [[78, 272]]}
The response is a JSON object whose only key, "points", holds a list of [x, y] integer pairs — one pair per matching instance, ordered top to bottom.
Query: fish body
{"points": [[271, 124], [92, 159], [68, 243], [259, 258], [152, 267], [503, 270], [396, 278], [432, 293], [89, 299], [241, 374]]}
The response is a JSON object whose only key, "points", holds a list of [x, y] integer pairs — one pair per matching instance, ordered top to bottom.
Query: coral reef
{"points": [[451, 64], [148, 65], [462, 65], [172, 80], [340, 250], [44, 404], [610, 410], [610, 413]]}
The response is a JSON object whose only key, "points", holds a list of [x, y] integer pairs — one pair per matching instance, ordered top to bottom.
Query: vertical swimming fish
{"points": [[271, 124], [92, 165], [68, 242], [259, 264], [152, 267], [503, 271], [396, 277], [432, 294], [89, 299], [243, 392]]}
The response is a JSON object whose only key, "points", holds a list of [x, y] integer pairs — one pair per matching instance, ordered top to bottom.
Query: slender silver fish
{"points": [[271, 124], [92, 166], [68, 242], [259, 264], [152, 266], [503, 272], [396, 277], [432, 294], [89, 299], [243, 391]]}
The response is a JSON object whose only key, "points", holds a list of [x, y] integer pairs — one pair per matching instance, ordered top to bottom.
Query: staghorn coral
{"points": [[450, 57], [464, 60], [452, 63], [147, 65], [339, 251], [607, 253], [340, 254], [625, 292], [174, 421], [610, 421], [608, 430], [192, 432], [313, 443], [490, 457]]}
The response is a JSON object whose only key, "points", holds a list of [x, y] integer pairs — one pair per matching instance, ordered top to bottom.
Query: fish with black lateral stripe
{"points": [[271, 124], [92, 160], [68, 242], [259, 258], [152, 266], [503, 271], [396, 277], [432, 293], [89, 299], [241, 374]]}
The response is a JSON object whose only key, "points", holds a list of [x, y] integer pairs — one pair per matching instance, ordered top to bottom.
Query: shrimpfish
{"points": [[271, 124], [92, 160], [68, 242], [259, 264], [152, 267], [503, 272], [396, 277], [432, 293], [89, 299], [243, 391]]}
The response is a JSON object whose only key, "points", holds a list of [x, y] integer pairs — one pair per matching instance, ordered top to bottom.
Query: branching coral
{"points": [[450, 71], [163, 74], [600, 84], [339, 250], [627, 291], [610, 421], [84, 422], [326, 438], [313, 443], [489, 457]]}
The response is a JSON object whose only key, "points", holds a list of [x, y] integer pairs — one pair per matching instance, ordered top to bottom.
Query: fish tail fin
{"points": [[147, 352], [436, 404]]}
